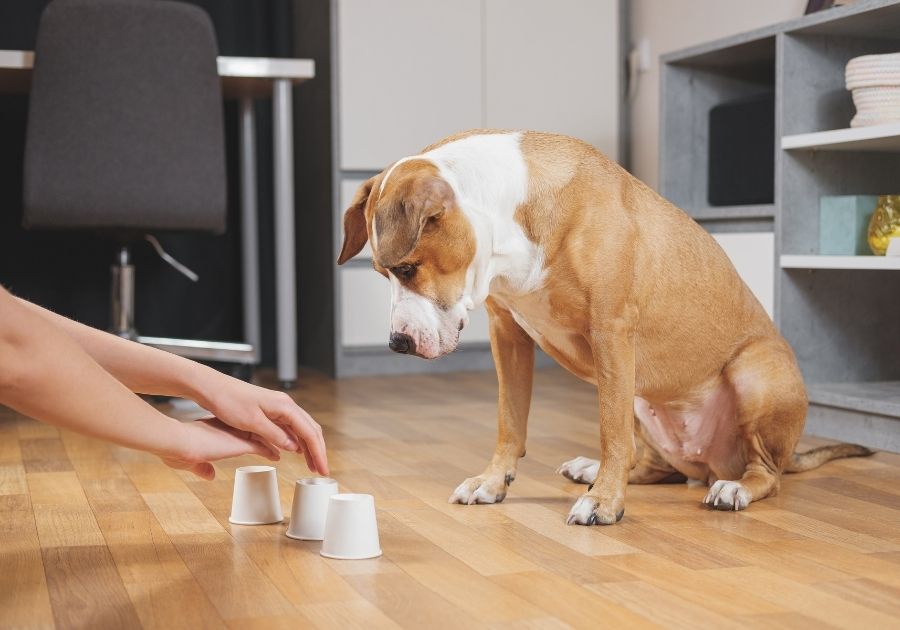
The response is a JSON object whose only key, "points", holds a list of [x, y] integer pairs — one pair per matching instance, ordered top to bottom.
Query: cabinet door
{"points": [[554, 66], [409, 74], [753, 255]]}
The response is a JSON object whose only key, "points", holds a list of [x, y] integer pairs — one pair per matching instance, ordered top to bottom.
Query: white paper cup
{"points": [[255, 499], [310, 506], [351, 531]]}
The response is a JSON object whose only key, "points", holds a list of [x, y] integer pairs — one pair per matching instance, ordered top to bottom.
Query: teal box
{"points": [[844, 223]]}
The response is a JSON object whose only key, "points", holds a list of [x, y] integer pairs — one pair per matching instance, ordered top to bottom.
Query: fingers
{"points": [[305, 428], [273, 433], [241, 442], [264, 448], [309, 460], [310, 463], [204, 470]]}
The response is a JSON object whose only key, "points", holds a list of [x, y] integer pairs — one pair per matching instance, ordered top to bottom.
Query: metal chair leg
{"points": [[122, 312]]}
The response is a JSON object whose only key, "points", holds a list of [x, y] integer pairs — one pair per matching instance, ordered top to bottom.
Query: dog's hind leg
{"points": [[513, 352], [771, 410]]}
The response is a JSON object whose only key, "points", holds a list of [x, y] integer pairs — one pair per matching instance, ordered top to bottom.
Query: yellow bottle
{"points": [[885, 223]]}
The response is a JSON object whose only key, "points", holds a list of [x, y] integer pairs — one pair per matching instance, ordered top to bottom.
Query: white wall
{"points": [[673, 24]]}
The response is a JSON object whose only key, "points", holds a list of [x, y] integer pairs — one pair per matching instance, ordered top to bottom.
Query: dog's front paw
{"points": [[580, 469], [481, 489], [728, 495], [591, 510]]}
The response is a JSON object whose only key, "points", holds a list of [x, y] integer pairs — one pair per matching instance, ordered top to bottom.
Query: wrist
{"points": [[200, 384], [177, 440]]}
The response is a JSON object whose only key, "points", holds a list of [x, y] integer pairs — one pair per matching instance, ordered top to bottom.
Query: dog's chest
{"points": [[534, 314]]}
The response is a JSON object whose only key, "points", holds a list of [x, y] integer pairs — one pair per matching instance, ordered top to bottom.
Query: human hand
{"points": [[272, 415], [208, 440]]}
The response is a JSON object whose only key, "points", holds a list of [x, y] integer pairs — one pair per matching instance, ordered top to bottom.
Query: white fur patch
{"points": [[489, 177], [580, 469], [477, 490], [728, 495], [582, 511]]}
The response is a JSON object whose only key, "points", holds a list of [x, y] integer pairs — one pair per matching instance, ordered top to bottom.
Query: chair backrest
{"points": [[125, 128]]}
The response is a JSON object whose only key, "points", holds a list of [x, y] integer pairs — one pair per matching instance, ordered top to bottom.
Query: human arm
{"points": [[45, 374], [272, 415]]}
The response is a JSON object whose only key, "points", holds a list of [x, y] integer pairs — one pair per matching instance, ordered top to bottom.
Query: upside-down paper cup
{"points": [[255, 500], [310, 506], [351, 530]]}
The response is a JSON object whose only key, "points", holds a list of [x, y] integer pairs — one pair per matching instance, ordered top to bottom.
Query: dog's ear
{"points": [[400, 225], [355, 230]]}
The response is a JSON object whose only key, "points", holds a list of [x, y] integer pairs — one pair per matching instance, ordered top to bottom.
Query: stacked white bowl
{"points": [[875, 83]]}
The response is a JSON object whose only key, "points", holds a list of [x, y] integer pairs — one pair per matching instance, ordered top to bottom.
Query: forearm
{"points": [[140, 368], [45, 374]]}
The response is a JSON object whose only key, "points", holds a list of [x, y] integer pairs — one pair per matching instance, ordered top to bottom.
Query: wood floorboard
{"points": [[99, 536]]}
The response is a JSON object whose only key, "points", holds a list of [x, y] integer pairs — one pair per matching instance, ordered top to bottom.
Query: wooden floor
{"points": [[100, 537]]}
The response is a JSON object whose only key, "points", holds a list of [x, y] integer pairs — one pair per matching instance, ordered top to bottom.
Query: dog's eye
{"points": [[404, 272]]}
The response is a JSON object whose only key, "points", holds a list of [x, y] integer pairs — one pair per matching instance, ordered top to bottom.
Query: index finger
{"points": [[309, 431]]}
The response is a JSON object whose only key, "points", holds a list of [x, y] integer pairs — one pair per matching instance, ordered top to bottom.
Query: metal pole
{"points": [[249, 227], [285, 299], [122, 319]]}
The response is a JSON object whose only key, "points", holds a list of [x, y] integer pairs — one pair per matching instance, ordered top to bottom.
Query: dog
{"points": [[624, 290]]}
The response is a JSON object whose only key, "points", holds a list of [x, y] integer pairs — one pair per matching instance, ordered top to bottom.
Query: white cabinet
{"points": [[554, 66], [414, 71], [409, 74], [753, 255], [365, 307]]}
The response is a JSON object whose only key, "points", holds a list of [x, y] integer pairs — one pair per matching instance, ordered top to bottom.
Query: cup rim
{"points": [[254, 469], [316, 481], [351, 497], [235, 521], [299, 537], [364, 556]]}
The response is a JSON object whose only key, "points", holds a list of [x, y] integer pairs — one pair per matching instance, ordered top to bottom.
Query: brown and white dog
{"points": [[623, 289]]}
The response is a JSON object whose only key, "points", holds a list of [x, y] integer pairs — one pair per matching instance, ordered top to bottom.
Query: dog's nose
{"points": [[402, 343]]}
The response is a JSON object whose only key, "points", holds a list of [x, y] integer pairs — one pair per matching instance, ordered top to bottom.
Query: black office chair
{"points": [[125, 131]]}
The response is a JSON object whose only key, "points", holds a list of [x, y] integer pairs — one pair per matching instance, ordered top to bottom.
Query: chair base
{"points": [[122, 318], [223, 351]]}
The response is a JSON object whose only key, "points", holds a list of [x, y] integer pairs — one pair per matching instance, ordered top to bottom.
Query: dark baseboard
{"points": [[372, 360]]}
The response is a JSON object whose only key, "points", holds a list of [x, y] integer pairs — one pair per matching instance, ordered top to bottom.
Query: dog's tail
{"points": [[801, 462]]}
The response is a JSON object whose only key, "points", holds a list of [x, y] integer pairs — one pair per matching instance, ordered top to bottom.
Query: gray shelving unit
{"points": [[842, 321]]}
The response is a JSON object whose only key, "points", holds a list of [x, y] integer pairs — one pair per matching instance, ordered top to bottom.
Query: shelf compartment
{"points": [[693, 85], [874, 138], [732, 213], [878, 263], [880, 398], [861, 413]]}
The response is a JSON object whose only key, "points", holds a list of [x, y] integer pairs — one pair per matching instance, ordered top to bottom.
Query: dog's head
{"points": [[424, 244]]}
